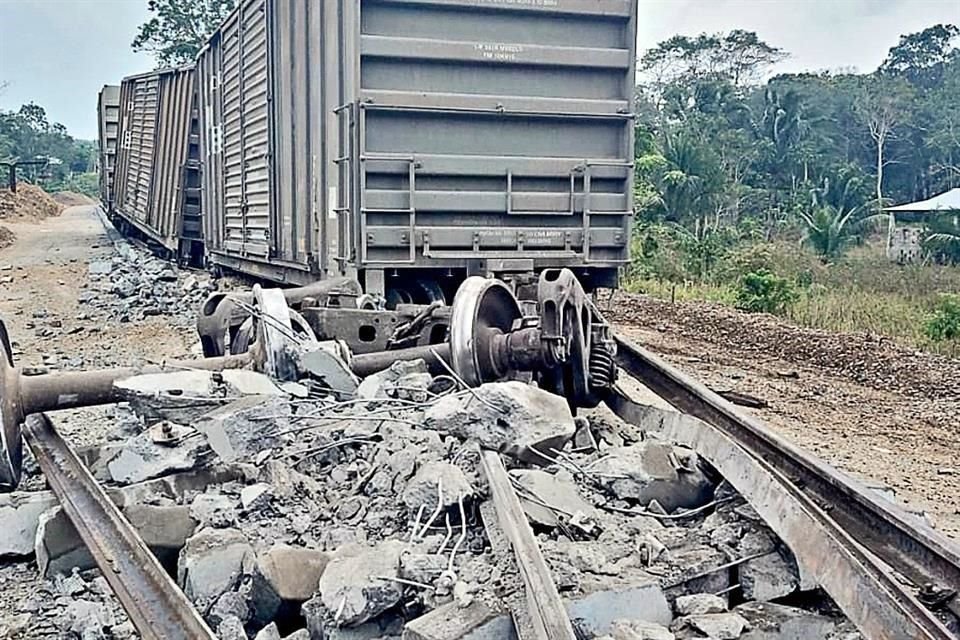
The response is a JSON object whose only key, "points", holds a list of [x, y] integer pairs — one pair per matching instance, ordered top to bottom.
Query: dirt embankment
{"points": [[29, 203], [874, 361], [861, 402]]}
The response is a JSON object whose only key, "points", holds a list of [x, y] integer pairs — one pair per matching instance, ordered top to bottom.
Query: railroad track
{"points": [[813, 507], [875, 560], [157, 607]]}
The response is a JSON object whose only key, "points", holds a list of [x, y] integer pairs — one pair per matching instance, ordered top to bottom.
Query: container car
{"points": [[410, 143], [156, 182]]}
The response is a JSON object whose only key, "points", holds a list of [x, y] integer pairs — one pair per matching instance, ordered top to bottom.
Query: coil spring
{"points": [[601, 367]]}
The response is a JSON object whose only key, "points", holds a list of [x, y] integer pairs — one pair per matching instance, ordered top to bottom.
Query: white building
{"points": [[909, 221]]}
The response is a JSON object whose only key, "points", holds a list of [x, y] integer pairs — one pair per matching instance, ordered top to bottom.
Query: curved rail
{"points": [[865, 525], [157, 607]]}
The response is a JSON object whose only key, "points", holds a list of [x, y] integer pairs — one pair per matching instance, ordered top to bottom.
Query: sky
{"points": [[58, 53]]}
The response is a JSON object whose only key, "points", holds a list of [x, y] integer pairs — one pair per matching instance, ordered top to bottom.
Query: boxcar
{"points": [[108, 122], [412, 142], [157, 176]]}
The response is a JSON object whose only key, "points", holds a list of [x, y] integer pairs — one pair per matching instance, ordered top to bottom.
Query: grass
{"points": [[863, 292]]}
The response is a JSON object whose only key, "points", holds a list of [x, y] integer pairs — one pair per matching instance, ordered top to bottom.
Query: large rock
{"points": [[383, 383], [183, 396], [511, 417], [240, 430], [142, 459], [648, 471], [422, 490], [557, 490], [214, 510], [19, 519], [164, 528], [58, 545], [212, 561], [292, 573], [768, 577], [357, 582], [699, 603], [229, 604], [596, 612], [88, 619], [769, 621], [451, 622], [719, 626], [231, 628], [639, 630]]}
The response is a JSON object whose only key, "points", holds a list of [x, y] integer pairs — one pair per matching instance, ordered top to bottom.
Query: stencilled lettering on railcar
{"points": [[522, 3], [498, 52], [542, 237]]}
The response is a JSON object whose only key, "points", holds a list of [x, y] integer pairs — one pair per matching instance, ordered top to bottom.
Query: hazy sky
{"points": [[59, 53]]}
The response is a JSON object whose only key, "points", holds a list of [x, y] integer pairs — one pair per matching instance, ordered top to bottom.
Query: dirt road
{"points": [[49, 265], [43, 277]]}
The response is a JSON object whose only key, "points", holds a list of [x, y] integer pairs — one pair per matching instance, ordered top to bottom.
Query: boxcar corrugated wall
{"points": [[108, 119], [377, 135], [153, 179]]}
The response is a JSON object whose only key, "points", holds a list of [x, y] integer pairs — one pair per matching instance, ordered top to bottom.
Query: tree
{"points": [[179, 28], [740, 56], [921, 57], [882, 106], [27, 134], [685, 176], [837, 215]]}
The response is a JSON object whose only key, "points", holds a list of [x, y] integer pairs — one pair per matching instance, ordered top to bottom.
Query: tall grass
{"points": [[863, 292]]}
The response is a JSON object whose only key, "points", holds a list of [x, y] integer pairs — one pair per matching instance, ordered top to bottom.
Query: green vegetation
{"points": [[179, 28], [28, 135], [769, 195], [764, 292], [944, 322]]}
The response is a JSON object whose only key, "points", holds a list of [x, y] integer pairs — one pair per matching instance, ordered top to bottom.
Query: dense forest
{"points": [[27, 134], [722, 156], [768, 193]]}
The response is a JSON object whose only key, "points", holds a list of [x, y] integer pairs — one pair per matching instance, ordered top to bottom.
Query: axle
{"points": [[568, 350], [22, 395]]}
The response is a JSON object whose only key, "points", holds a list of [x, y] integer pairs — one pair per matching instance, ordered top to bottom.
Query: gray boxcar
{"points": [[108, 121], [409, 140], [157, 181]]}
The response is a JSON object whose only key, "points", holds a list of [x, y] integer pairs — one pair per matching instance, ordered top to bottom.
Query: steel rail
{"points": [[866, 526], [157, 607]]}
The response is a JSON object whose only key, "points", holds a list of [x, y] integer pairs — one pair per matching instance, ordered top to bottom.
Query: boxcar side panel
{"points": [[209, 95], [108, 118], [155, 119]]}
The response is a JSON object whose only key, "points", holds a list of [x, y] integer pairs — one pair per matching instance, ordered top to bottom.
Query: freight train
{"points": [[404, 143]]}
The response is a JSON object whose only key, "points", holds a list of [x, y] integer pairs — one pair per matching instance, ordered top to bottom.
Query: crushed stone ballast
{"points": [[420, 495]]}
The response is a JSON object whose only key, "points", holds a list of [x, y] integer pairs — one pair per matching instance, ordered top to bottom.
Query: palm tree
{"points": [[836, 219], [827, 230], [942, 239]]}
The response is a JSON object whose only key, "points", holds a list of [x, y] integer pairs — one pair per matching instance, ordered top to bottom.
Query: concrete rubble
{"points": [[358, 518]]}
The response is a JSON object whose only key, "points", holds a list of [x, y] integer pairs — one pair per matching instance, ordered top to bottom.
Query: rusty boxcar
{"points": [[410, 143], [156, 182]]}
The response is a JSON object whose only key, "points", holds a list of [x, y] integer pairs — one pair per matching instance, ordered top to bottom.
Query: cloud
{"points": [[818, 34]]}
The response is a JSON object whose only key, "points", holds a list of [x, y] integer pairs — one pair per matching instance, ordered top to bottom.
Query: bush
{"points": [[86, 183], [764, 292], [944, 323]]}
